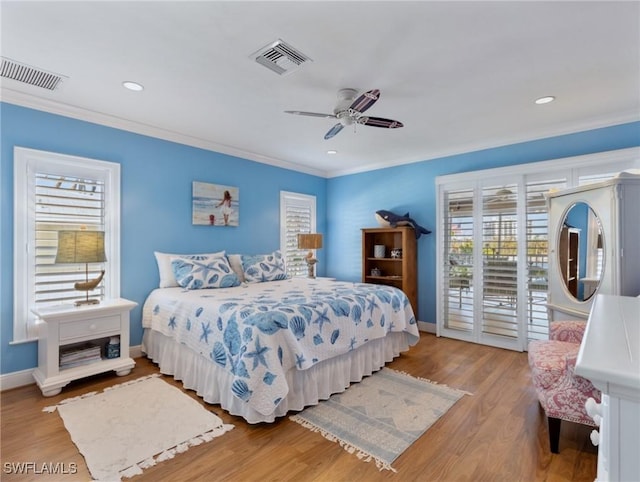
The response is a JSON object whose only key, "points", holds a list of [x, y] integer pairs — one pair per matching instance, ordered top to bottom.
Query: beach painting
{"points": [[215, 204]]}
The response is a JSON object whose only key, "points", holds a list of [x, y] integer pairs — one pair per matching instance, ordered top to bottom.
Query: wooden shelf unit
{"points": [[398, 272]]}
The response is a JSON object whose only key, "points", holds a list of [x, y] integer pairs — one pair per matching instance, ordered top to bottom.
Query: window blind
{"points": [[64, 203], [298, 217], [538, 255], [458, 260]]}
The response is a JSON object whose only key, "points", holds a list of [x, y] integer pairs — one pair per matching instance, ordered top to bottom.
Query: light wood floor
{"points": [[497, 434]]}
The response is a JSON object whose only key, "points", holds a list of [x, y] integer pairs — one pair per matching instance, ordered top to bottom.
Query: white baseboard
{"points": [[427, 327], [25, 377], [16, 379]]}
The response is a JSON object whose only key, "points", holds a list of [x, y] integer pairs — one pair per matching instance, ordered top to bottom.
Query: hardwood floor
{"points": [[497, 434]]}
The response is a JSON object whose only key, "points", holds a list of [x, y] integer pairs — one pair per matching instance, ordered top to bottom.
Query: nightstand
{"points": [[70, 328]]}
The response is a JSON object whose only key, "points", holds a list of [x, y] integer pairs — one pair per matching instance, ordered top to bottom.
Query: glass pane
{"points": [[499, 253], [538, 257], [458, 258]]}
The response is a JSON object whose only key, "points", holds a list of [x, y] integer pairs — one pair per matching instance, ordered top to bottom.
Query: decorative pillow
{"points": [[235, 260], [264, 267], [195, 274], [167, 278]]}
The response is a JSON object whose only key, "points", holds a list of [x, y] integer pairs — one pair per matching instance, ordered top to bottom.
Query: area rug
{"points": [[381, 416], [131, 426]]}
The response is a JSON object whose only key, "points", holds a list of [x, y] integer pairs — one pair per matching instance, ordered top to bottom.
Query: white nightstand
{"points": [[63, 325]]}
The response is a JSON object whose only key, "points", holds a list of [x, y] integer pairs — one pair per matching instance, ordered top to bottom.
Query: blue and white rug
{"points": [[381, 416]]}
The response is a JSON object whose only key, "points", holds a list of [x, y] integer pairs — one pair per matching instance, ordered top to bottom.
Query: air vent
{"points": [[280, 57], [10, 69]]}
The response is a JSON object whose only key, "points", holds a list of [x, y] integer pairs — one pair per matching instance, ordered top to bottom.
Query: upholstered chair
{"points": [[561, 392]]}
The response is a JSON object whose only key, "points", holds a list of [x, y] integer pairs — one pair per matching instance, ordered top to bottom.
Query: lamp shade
{"points": [[310, 241], [80, 247]]}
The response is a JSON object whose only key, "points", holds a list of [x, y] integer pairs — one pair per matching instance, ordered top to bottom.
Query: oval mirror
{"points": [[581, 251]]}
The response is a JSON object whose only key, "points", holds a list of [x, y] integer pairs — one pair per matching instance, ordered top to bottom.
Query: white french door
{"points": [[493, 246], [480, 299]]}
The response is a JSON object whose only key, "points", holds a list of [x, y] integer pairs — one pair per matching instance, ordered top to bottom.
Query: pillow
{"points": [[235, 260], [263, 267], [210, 272], [167, 279]]}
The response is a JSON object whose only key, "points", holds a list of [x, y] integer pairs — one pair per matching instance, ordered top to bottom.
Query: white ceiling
{"points": [[461, 76]]}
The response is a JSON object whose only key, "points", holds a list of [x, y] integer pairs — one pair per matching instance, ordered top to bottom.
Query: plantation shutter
{"points": [[64, 203], [298, 216], [538, 255], [458, 260], [499, 260]]}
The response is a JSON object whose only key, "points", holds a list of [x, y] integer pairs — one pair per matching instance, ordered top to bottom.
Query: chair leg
{"points": [[554, 434]]}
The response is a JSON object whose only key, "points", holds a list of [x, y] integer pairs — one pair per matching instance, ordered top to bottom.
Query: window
{"points": [[54, 192], [297, 215], [493, 248]]}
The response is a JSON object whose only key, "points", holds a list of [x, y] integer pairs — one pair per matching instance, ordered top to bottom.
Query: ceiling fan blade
{"points": [[366, 100], [311, 114], [380, 122], [333, 131]]}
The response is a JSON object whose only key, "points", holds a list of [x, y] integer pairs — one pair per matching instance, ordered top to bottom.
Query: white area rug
{"points": [[381, 416], [131, 426]]}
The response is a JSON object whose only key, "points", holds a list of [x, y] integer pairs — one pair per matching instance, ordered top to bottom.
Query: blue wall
{"points": [[156, 185], [352, 200], [156, 202]]}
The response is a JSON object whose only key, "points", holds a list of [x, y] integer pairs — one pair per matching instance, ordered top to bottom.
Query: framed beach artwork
{"points": [[215, 204]]}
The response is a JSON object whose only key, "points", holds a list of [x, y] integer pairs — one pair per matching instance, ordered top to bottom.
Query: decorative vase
{"points": [[379, 251]]}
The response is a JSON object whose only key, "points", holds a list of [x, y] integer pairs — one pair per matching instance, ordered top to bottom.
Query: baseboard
{"points": [[427, 327], [22, 378], [12, 380]]}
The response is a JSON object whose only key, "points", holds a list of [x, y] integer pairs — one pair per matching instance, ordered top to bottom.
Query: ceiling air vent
{"points": [[280, 57], [10, 69]]}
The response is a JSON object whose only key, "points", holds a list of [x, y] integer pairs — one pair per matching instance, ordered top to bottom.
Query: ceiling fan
{"points": [[350, 112]]}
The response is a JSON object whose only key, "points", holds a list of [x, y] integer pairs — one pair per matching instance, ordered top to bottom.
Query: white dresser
{"points": [[609, 357]]}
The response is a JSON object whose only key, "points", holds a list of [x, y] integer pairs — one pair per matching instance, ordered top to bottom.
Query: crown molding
{"points": [[46, 105], [52, 107], [564, 129]]}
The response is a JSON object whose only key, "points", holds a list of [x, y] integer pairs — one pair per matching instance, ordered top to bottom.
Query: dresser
{"points": [[609, 357]]}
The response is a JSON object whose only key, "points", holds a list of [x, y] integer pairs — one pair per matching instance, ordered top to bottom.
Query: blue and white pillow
{"points": [[264, 267], [208, 272], [167, 279]]}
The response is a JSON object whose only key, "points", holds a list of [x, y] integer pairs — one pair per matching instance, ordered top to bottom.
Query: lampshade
{"points": [[310, 241], [80, 247]]}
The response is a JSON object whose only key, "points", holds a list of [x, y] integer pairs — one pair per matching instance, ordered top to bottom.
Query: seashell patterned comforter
{"points": [[259, 331]]}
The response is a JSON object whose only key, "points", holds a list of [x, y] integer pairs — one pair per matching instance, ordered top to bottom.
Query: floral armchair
{"points": [[561, 392]]}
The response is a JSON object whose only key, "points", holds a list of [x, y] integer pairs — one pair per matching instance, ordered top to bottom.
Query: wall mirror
{"points": [[581, 251]]}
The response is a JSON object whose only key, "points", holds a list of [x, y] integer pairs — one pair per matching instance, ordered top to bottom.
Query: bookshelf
{"points": [[400, 272]]}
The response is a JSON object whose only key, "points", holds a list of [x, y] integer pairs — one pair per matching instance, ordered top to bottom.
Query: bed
{"points": [[262, 349]]}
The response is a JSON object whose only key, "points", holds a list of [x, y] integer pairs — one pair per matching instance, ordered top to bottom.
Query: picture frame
{"points": [[215, 204]]}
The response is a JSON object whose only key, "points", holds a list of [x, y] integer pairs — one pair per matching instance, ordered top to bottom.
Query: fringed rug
{"points": [[379, 417], [133, 425]]}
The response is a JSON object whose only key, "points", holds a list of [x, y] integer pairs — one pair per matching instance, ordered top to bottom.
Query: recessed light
{"points": [[127, 84], [545, 100], [331, 152]]}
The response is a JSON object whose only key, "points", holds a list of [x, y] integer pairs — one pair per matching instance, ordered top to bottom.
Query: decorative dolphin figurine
{"points": [[387, 217]]}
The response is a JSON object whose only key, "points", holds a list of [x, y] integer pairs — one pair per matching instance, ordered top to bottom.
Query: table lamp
{"points": [[310, 242], [82, 247]]}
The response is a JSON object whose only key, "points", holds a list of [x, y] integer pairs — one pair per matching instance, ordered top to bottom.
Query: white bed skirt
{"points": [[306, 387]]}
